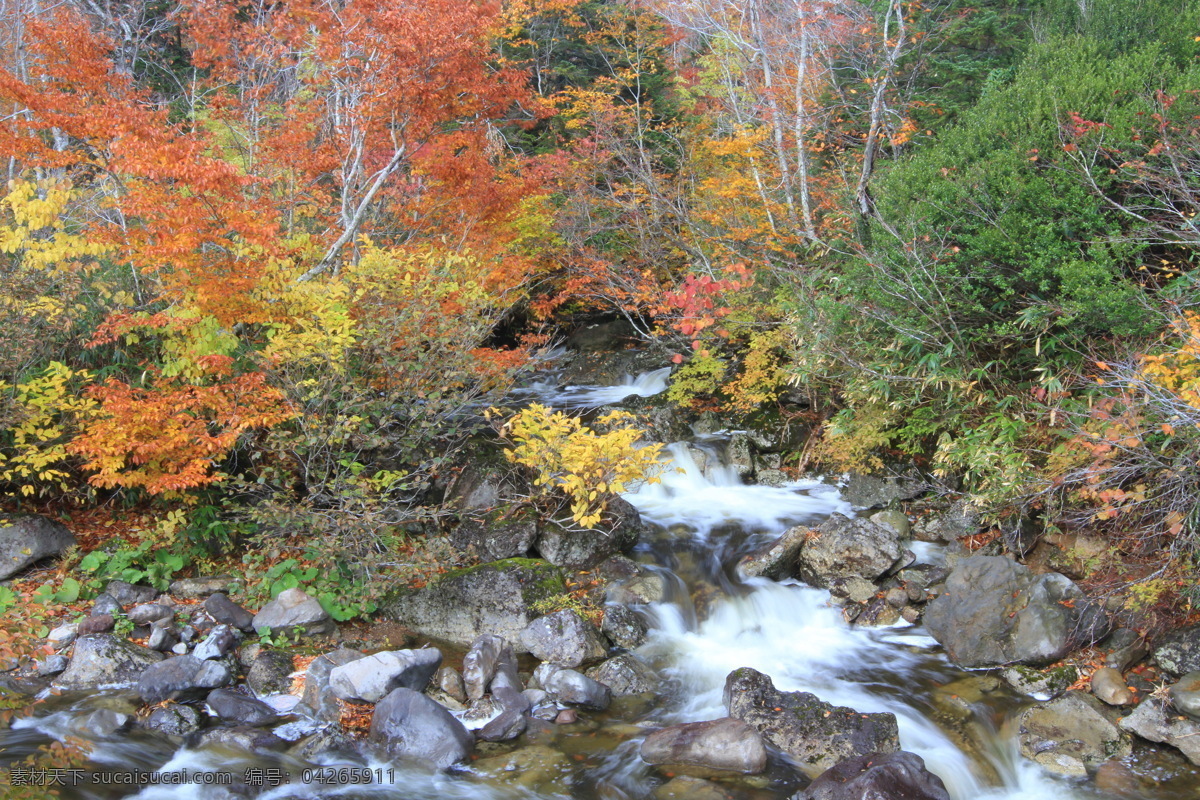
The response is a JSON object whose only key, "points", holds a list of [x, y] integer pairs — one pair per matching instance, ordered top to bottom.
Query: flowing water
{"points": [[703, 519]]}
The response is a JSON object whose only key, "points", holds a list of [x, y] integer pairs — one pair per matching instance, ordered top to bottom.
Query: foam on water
{"points": [[647, 384]]}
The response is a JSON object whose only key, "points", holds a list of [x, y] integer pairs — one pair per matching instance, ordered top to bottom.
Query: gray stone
{"points": [[865, 492], [894, 520], [957, 522], [496, 535], [26, 539], [845, 548], [584, 549], [778, 559], [196, 588], [643, 588], [852, 589], [128, 594], [492, 598], [105, 604], [292, 609], [224, 610], [997, 612], [149, 613], [623, 626], [63, 636], [563, 638], [162, 639], [219, 643], [1125, 648], [180, 649], [1179, 654], [105, 660], [479, 664], [52, 665], [270, 673], [625, 675], [182, 678], [369, 679], [450, 682], [1042, 683], [1109, 686], [574, 688], [317, 694], [1185, 695], [233, 706], [173, 719], [1153, 721], [101, 724], [408, 724], [508, 724], [817, 735], [1070, 735], [240, 739], [721, 744], [877, 776], [689, 787]]}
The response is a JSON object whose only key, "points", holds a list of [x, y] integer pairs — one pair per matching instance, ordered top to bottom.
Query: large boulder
{"points": [[864, 492], [494, 536], [26, 539], [846, 548], [584, 549], [776, 560], [491, 598], [292, 609], [996, 611], [563, 638], [1179, 653], [104, 660], [182, 678], [367, 680], [318, 695], [1154, 721], [407, 724], [816, 734], [1070, 735], [721, 744], [878, 776]]}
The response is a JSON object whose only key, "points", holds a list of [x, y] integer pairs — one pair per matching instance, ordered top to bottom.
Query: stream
{"points": [[703, 519]]}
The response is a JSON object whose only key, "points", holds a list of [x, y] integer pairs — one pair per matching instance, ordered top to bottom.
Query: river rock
{"points": [[865, 492], [894, 520], [957, 522], [497, 535], [26, 539], [844, 548], [583, 549], [776, 560], [197, 588], [641, 589], [128, 594], [491, 598], [105, 605], [292, 609], [224, 610], [997, 612], [149, 613], [97, 623], [623, 626], [63, 636], [563, 638], [222, 641], [1125, 648], [1180, 652], [102, 659], [479, 664], [52, 665], [270, 673], [625, 675], [182, 678], [368, 679], [1041, 683], [1108, 685], [574, 688], [318, 695], [1185, 695], [233, 706], [173, 719], [1155, 721], [101, 723], [407, 724], [508, 724], [816, 734], [1071, 735], [239, 739], [720, 744], [537, 768], [878, 776], [688, 787]]}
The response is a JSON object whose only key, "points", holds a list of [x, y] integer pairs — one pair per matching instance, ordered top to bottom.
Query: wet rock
{"points": [[864, 492], [894, 520], [957, 522], [497, 535], [26, 539], [845, 548], [584, 549], [778, 559], [196, 588], [641, 589], [852, 590], [128, 594], [491, 598], [292, 609], [225, 611], [997, 612], [879, 613], [97, 623], [623, 626], [63, 636], [563, 638], [162, 639], [219, 643], [1125, 648], [1180, 652], [102, 659], [479, 664], [52, 665], [270, 673], [625, 675], [182, 678], [368, 679], [451, 683], [1041, 683], [1109, 686], [575, 688], [1185, 695], [318, 696], [233, 706], [567, 716], [173, 719], [1154, 721], [101, 724], [407, 724], [508, 724], [816, 734], [1070, 736], [329, 738], [241, 739], [721, 744], [538, 768], [878, 776], [1116, 778], [686, 787]]}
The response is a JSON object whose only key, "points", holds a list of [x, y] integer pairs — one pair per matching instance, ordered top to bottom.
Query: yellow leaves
{"points": [[37, 233], [1178, 369], [585, 463]]}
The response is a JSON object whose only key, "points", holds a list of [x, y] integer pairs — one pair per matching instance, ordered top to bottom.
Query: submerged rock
{"points": [[26, 539], [997, 612], [564, 638], [104, 660], [1153, 720], [408, 724], [816, 734], [1071, 735], [729, 745], [878, 776]]}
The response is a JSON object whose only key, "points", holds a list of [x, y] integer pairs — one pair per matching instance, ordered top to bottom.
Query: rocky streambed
{"points": [[760, 639]]}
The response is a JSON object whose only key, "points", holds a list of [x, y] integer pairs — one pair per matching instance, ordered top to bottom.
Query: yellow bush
{"points": [[43, 414]]}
